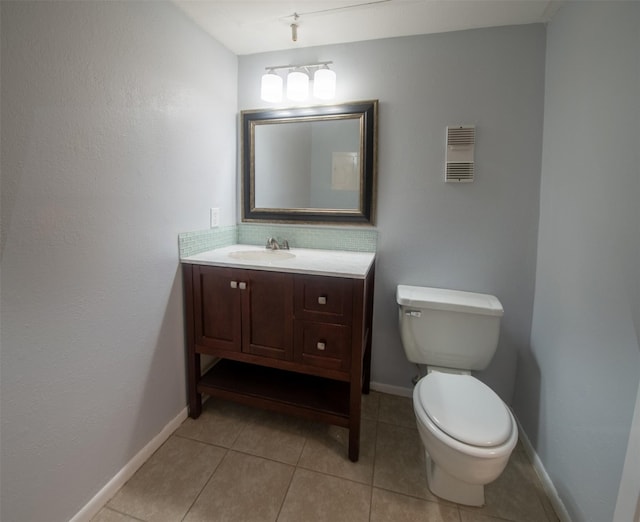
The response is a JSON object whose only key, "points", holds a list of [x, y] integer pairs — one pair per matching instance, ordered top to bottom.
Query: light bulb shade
{"points": [[324, 84], [297, 86], [271, 87]]}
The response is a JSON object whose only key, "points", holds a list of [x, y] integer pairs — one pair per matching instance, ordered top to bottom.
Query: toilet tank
{"points": [[448, 328]]}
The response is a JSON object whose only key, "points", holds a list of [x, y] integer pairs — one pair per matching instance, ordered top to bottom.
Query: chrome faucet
{"points": [[272, 244]]}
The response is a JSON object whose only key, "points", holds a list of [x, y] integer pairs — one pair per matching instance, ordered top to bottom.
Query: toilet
{"points": [[467, 431]]}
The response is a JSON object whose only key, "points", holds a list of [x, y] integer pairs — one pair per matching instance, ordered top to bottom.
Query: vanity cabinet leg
{"points": [[193, 358], [366, 368], [195, 398], [195, 404], [355, 408], [354, 442]]}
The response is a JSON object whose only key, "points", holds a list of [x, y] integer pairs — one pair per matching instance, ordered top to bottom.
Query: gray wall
{"points": [[118, 132], [479, 236], [577, 385]]}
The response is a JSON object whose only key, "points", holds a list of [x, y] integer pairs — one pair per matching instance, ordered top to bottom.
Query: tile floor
{"points": [[241, 464]]}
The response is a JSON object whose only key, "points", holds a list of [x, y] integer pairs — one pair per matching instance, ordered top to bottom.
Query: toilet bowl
{"points": [[467, 432]]}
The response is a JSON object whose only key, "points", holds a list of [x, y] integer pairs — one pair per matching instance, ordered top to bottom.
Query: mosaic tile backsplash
{"points": [[324, 238], [192, 243]]}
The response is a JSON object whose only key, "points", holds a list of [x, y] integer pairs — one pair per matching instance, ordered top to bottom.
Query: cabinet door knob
{"points": [[233, 284], [242, 285], [322, 299], [321, 345]]}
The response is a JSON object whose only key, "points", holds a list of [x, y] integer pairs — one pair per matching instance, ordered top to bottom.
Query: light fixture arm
{"points": [[293, 66]]}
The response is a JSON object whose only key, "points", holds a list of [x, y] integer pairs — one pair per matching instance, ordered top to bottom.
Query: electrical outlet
{"points": [[214, 217]]}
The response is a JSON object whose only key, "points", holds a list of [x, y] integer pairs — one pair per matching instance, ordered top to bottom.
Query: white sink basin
{"points": [[261, 255]]}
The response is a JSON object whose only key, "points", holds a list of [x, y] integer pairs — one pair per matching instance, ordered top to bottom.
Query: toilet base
{"points": [[450, 488]]}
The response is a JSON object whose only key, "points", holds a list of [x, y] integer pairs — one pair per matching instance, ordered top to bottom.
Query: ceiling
{"points": [[255, 26]]}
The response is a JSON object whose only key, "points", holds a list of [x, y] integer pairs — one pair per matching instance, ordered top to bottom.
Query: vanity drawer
{"points": [[323, 299], [323, 345]]}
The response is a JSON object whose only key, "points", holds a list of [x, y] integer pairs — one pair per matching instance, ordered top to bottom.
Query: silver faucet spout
{"points": [[272, 244]]}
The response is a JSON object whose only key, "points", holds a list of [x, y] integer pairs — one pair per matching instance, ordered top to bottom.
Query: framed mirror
{"points": [[310, 164]]}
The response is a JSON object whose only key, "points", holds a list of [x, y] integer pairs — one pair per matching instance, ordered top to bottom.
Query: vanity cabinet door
{"points": [[217, 309], [243, 311], [267, 314]]}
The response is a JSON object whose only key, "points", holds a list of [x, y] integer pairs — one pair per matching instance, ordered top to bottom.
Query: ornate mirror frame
{"points": [[365, 112]]}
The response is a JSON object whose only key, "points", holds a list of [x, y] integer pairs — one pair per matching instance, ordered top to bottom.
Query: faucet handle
{"points": [[285, 244]]}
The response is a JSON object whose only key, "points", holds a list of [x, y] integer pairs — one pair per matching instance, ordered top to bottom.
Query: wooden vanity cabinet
{"points": [[294, 343]]}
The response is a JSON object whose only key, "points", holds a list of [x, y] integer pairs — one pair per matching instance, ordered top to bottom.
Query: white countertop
{"points": [[335, 263]]}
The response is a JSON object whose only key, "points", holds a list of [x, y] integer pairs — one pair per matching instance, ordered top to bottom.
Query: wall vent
{"points": [[459, 165], [459, 171]]}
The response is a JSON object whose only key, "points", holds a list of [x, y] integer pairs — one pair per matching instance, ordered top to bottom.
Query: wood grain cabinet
{"points": [[243, 311], [294, 343]]}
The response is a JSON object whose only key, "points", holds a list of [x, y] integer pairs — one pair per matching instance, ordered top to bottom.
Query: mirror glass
{"points": [[314, 164]]}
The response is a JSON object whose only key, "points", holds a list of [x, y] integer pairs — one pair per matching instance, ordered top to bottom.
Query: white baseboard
{"points": [[392, 390], [549, 488], [104, 495]]}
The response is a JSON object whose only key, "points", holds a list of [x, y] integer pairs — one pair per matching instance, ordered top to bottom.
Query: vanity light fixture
{"points": [[298, 77], [324, 83], [297, 85], [271, 87]]}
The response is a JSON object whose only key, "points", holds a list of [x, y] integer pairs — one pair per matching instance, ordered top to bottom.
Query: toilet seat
{"points": [[465, 409]]}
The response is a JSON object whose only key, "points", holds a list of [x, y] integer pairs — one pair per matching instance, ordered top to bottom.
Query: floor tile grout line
{"points": [[245, 425], [413, 427], [212, 444], [304, 444], [373, 466], [305, 468], [326, 474], [206, 482], [286, 493], [437, 502], [122, 513], [490, 517]]}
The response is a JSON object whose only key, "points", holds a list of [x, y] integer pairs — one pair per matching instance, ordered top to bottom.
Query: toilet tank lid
{"points": [[444, 299]]}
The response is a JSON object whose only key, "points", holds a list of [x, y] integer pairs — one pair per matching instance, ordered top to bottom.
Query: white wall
{"points": [[118, 132], [479, 236], [577, 385]]}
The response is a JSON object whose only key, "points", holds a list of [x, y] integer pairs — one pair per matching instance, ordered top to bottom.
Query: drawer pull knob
{"points": [[233, 284], [242, 285], [322, 300], [321, 346]]}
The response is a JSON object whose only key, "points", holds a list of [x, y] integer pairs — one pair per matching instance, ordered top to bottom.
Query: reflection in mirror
{"points": [[310, 164], [322, 168]]}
